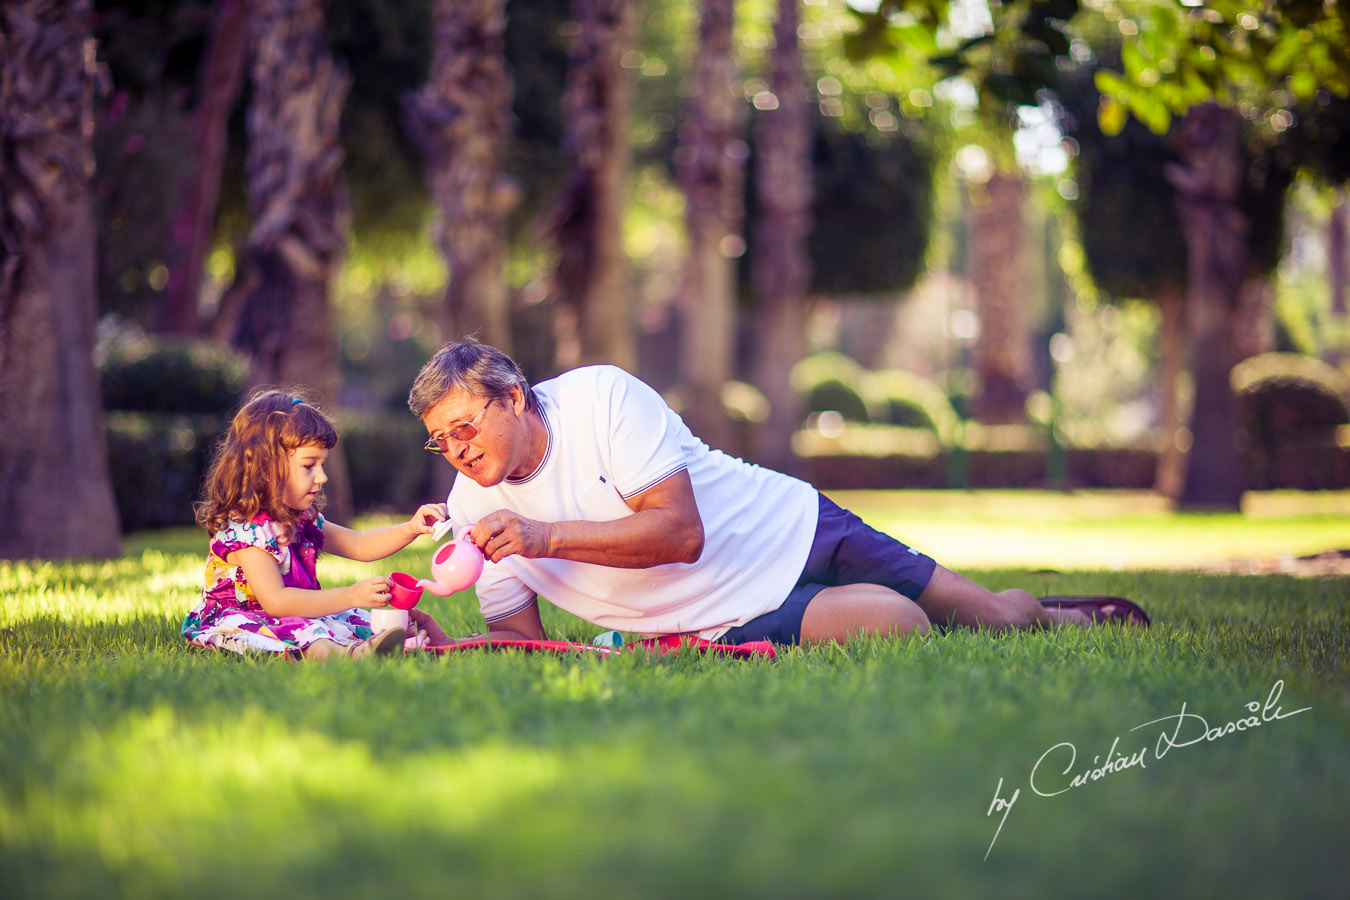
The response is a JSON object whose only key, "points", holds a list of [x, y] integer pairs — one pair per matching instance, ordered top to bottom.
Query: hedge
{"points": [[158, 461], [1309, 468]]}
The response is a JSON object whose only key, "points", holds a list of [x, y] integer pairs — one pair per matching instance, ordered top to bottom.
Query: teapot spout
{"points": [[440, 590]]}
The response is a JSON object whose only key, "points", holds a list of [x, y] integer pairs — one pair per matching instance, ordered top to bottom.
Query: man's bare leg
{"points": [[951, 598], [846, 611]]}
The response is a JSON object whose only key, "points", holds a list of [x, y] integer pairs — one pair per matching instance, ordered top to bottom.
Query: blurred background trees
{"points": [[461, 120], [298, 211], [1037, 235]]}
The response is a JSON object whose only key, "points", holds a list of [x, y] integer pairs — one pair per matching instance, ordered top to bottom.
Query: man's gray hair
{"points": [[469, 366]]}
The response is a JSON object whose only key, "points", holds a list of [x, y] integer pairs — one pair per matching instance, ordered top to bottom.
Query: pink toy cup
{"points": [[404, 591]]}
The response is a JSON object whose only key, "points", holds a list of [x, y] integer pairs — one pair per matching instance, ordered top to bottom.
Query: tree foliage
{"points": [[1262, 56], [872, 201], [1126, 206], [873, 210]]}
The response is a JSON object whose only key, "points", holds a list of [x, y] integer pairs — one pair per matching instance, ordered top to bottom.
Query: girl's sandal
{"points": [[388, 641]]}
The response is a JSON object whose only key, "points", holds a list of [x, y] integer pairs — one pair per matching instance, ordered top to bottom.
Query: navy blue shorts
{"points": [[846, 550]]}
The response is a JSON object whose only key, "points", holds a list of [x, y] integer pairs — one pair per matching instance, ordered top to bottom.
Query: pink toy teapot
{"points": [[455, 565]]}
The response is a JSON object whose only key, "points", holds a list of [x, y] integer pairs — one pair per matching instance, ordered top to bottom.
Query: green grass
{"points": [[1102, 529], [133, 767]]}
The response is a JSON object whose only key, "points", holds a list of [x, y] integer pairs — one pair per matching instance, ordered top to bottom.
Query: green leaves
{"points": [[1229, 51], [1121, 98], [1111, 115]]}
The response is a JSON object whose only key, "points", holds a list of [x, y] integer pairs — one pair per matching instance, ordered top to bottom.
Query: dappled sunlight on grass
{"points": [[133, 766], [843, 767], [261, 789]]}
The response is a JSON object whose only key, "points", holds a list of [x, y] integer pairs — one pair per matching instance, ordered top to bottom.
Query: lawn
{"points": [[1209, 756]]}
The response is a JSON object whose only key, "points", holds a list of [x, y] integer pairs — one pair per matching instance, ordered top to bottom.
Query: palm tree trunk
{"points": [[462, 120], [711, 168], [1207, 179], [299, 208], [782, 265], [1338, 270], [591, 278], [1254, 318], [1002, 351], [1171, 469], [56, 497]]}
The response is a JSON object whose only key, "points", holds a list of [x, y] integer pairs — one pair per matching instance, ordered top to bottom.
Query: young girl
{"points": [[261, 505]]}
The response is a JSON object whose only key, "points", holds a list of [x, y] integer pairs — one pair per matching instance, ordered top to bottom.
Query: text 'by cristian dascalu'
{"points": [[1050, 776]]}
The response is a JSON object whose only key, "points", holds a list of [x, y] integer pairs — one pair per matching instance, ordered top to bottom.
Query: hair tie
{"points": [[295, 400]]}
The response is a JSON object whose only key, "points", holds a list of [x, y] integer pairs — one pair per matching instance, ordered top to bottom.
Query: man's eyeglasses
{"points": [[464, 431]]}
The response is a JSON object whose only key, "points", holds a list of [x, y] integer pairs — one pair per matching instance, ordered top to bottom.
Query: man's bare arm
{"points": [[665, 528]]}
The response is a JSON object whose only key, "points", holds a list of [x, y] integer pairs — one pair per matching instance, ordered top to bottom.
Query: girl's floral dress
{"points": [[229, 618]]}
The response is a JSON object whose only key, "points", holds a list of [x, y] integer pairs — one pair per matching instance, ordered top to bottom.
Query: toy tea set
{"points": [[458, 563], [455, 565]]}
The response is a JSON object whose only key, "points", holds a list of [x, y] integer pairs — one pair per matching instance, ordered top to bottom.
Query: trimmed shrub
{"points": [[821, 367], [184, 377], [829, 382], [1282, 395], [835, 396], [897, 397], [169, 400], [1290, 407], [157, 462], [388, 468], [982, 469]]}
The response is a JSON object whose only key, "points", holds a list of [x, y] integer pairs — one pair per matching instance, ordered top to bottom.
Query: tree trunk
{"points": [[222, 75], [461, 119], [711, 167], [1207, 180], [299, 208], [1338, 270], [592, 272], [782, 275], [1254, 318], [1002, 351], [1171, 470], [56, 498]]}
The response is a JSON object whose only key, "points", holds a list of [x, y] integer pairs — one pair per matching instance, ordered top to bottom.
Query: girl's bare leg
{"points": [[388, 641], [322, 650]]}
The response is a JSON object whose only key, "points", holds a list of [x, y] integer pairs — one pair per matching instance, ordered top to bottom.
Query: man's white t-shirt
{"points": [[610, 436]]}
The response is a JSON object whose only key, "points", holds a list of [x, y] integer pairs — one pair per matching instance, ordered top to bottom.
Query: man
{"points": [[589, 491]]}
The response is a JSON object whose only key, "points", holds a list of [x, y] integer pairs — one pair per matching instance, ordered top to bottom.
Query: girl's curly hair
{"points": [[249, 467]]}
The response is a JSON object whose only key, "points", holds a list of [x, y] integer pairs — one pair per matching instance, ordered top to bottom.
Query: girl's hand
{"points": [[428, 515], [373, 593]]}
